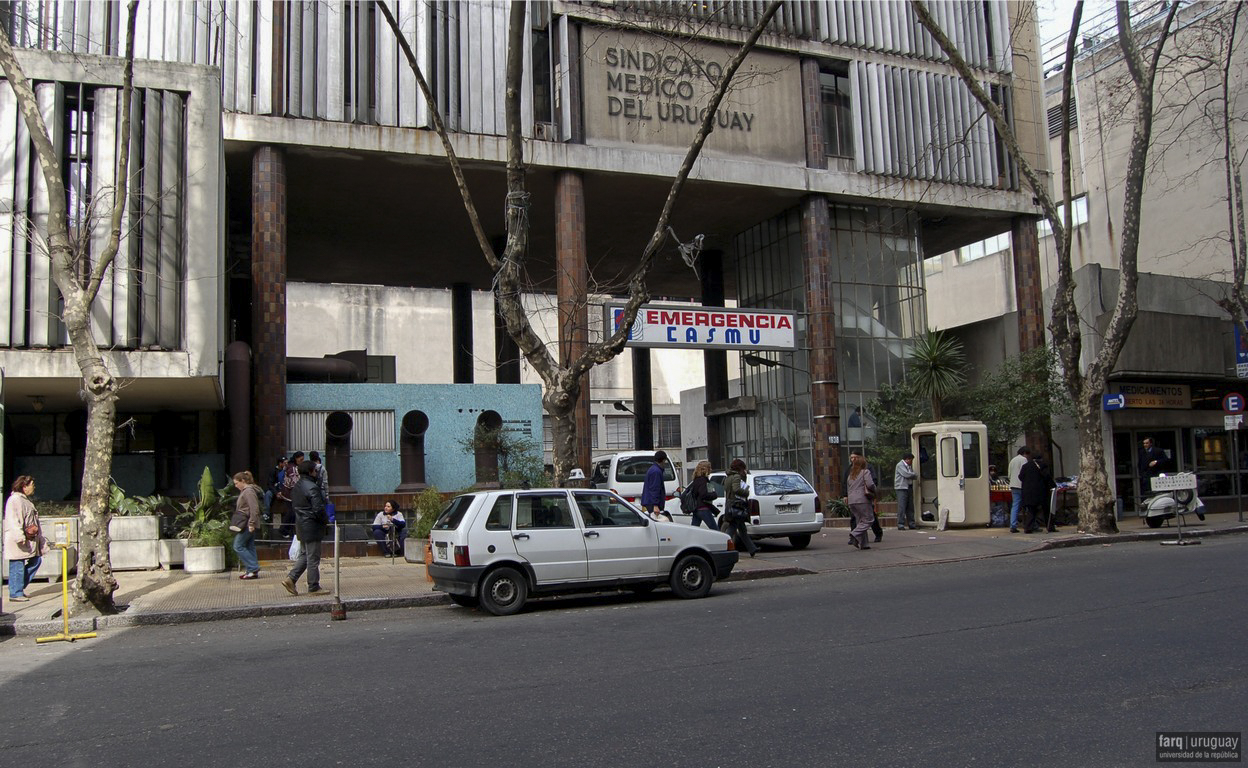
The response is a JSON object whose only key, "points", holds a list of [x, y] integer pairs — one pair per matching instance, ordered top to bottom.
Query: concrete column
{"points": [[571, 281], [1029, 298], [268, 300], [461, 332], [821, 341], [506, 352], [714, 361], [643, 401]]}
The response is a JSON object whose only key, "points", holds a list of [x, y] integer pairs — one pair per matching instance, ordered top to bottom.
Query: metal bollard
{"points": [[337, 611]]}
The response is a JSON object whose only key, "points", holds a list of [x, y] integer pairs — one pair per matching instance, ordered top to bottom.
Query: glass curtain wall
{"points": [[877, 279]]}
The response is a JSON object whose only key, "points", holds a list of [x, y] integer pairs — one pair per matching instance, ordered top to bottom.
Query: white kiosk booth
{"points": [[952, 458]]}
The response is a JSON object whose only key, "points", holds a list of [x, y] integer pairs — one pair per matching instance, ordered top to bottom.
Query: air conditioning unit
{"points": [[546, 132]]}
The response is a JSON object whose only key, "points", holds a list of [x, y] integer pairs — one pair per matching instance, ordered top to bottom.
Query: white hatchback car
{"points": [[782, 504], [495, 548]]}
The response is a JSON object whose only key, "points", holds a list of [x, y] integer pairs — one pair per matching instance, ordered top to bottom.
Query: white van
{"points": [[625, 474]]}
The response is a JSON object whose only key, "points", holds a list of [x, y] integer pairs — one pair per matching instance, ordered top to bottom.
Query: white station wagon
{"points": [[782, 505], [494, 548]]}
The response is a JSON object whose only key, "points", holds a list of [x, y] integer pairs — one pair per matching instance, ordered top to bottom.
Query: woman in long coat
{"points": [[24, 544]]}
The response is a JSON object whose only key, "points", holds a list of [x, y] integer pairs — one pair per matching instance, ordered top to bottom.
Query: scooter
{"points": [[1166, 505]]}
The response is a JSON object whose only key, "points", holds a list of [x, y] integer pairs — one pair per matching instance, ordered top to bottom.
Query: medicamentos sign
{"points": [[683, 327]]}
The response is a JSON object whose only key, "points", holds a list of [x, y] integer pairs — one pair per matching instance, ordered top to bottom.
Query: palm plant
{"points": [[937, 368], [208, 515]]}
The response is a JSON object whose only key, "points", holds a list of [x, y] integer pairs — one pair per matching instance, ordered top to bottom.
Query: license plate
{"points": [[788, 509], [440, 549]]}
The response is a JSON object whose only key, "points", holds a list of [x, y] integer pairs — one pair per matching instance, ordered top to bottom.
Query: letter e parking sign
{"points": [[1233, 403]]}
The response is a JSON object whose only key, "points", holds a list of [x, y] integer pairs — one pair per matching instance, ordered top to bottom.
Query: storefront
{"points": [[1185, 419]]}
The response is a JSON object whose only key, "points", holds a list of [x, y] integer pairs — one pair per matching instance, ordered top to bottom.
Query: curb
{"points": [[1163, 534]]}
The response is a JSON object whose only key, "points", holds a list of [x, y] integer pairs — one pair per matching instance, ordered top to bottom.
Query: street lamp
{"points": [[758, 361], [620, 406]]}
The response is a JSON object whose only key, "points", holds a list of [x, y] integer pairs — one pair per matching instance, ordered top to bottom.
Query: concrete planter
{"points": [[134, 528], [134, 542], [172, 552], [204, 559], [50, 567]]}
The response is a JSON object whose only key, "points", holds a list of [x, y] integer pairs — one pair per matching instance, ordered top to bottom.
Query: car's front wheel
{"points": [[799, 540], [692, 577], [503, 592], [464, 600]]}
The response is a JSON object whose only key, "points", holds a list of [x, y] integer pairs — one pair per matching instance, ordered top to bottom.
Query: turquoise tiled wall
{"points": [[453, 410]]}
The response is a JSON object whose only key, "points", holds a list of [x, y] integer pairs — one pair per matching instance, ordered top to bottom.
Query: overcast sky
{"points": [[1055, 15]]}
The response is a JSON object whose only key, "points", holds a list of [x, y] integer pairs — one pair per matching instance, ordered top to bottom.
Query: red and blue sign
{"points": [[1233, 403]]}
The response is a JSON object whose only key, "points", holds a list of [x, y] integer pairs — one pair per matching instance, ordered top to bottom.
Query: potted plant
{"points": [[205, 526]]}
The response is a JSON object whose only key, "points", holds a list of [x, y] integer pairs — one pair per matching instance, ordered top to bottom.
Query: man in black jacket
{"points": [[1037, 483], [310, 523]]}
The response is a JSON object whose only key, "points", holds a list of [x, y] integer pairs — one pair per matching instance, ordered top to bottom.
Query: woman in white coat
{"points": [[24, 544]]}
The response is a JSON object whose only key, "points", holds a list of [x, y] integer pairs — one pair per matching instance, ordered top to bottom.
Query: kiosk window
{"points": [[970, 454], [949, 456]]}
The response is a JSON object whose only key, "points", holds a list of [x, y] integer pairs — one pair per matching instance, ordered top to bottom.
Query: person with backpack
{"points": [[696, 499]]}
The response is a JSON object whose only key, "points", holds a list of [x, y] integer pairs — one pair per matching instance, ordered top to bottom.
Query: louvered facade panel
{"points": [[370, 430]]}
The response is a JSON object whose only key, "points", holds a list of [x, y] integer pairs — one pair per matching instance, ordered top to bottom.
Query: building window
{"points": [[837, 114], [79, 139], [1078, 212], [989, 247], [667, 431], [620, 433], [548, 435]]}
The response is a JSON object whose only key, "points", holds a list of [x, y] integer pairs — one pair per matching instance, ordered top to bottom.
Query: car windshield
{"points": [[778, 485], [453, 514]]}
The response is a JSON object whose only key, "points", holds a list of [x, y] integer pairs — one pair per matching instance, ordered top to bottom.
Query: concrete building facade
{"points": [[335, 246]]}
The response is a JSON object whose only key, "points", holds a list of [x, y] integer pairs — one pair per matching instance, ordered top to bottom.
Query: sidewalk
{"points": [[171, 597]]}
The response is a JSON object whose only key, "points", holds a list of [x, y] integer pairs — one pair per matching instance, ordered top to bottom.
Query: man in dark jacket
{"points": [[1037, 482], [653, 489], [310, 522]]}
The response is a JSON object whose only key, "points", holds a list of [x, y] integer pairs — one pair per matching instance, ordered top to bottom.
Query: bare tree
{"points": [[78, 275], [562, 381], [1085, 386]]}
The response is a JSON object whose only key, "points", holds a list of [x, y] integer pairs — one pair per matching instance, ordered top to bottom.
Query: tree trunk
{"points": [[561, 406], [1097, 507]]}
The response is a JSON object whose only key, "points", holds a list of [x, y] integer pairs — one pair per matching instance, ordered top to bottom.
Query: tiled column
{"points": [[572, 279], [1029, 297], [268, 300], [821, 342], [714, 361]]}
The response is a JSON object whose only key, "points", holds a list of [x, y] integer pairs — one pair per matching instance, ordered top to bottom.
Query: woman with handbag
{"points": [[860, 494], [736, 507], [24, 544]]}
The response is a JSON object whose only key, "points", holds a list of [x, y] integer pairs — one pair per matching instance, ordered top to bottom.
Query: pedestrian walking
{"points": [[1153, 461], [903, 480], [1016, 484], [1037, 484], [653, 491], [702, 492], [860, 495], [736, 507], [311, 521], [245, 522], [876, 528], [24, 543]]}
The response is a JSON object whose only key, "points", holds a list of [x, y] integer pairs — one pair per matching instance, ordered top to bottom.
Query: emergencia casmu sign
{"points": [[686, 327]]}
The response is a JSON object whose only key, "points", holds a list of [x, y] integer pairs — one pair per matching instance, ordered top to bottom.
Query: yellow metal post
{"points": [[64, 634]]}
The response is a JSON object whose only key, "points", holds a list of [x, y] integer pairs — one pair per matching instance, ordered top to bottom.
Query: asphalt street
{"points": [[1069, 657]]}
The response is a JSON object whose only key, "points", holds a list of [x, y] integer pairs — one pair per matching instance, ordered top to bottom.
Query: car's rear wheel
{"points": [[1154, 522], [799, 540], [692, 577], [503, 592], [465, 601]]}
